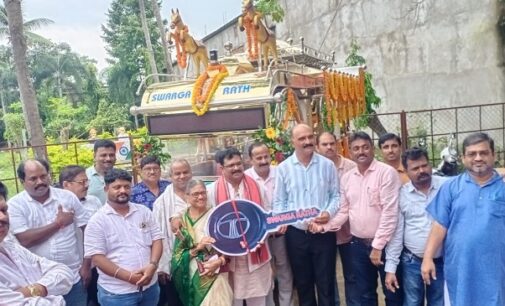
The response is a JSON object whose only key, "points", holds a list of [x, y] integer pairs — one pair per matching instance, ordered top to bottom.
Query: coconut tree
{"points": [[29, 26], [27, 92]]}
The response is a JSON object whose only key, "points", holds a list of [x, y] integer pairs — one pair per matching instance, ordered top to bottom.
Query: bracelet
{"points": [[115, 273], [130, 278]]}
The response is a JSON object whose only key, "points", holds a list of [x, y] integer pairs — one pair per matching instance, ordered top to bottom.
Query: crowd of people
{"points": [[99, 240]]}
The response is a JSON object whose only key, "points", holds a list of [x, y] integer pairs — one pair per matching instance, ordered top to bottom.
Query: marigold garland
{"points": [[252, 38], [182, 56], [200, 100], [330, 105], [292, 109]]}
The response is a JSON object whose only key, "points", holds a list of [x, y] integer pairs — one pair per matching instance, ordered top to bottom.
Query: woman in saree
{"points": [[195, 264]]}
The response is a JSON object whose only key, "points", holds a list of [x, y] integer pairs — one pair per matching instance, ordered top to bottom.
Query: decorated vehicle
{"points": [[242, 96]]}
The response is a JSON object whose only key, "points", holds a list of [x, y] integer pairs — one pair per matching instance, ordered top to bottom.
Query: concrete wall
{"points": [[434, 54]]}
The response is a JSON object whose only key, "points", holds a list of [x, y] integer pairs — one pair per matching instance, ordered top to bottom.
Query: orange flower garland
{"points": [[252, 38], [182, 56], [200, 100], [329, 100], [292, 109]]}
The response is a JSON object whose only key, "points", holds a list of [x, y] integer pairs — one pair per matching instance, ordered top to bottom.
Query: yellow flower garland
{"points": [[200, 101]]}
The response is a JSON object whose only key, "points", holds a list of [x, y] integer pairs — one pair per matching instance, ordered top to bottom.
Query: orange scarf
{"points": [[253, 194]]}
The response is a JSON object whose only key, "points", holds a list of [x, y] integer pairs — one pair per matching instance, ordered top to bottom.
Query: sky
{"points": [[78, 22]]}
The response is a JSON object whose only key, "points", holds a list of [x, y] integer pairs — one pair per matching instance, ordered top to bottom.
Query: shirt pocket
{"points": [[373, 196], [498, 208], [144, 237]]}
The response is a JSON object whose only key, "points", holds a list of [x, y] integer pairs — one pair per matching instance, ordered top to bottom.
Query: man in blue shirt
{"points": [[304, 180], [152, 186], [469, 213]]}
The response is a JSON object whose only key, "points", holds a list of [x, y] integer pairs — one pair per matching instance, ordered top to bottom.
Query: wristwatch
{"points": [[34, 290]]}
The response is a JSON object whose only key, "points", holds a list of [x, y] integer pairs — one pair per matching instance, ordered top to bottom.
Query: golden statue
{"points": [[257, 32], [185, 44]]}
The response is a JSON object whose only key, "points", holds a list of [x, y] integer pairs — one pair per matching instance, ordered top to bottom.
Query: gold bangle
{"points": [[115, 273]]}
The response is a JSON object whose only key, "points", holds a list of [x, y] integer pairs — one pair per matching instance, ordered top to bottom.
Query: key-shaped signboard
{"points": [[238, 226]]}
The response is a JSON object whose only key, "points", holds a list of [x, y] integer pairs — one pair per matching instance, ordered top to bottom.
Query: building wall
{"points": [[430, 55]]}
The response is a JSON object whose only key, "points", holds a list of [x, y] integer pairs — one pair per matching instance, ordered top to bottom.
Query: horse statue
{"points": [[257, 32], [186, 44], [449, 160]]}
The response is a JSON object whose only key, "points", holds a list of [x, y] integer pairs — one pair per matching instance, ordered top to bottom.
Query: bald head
{"points": [[302, 137], [180, 174], [34, 175]]}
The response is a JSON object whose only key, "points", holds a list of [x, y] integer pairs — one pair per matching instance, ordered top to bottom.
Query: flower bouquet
{"points": [[277, 140]]}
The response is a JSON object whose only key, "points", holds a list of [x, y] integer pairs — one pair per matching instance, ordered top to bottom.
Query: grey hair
{"points": [[178, 161], [193, 183]]}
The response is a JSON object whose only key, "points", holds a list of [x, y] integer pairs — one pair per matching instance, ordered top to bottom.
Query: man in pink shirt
{"points": [[327, 147], [369, 200]]}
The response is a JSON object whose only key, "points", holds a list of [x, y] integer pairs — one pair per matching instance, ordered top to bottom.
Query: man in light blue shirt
{"points": [[104, 155], [307, 179], [469, 220], [414, 225]]}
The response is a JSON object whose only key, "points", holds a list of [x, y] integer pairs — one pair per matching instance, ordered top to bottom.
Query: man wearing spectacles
{"points": [[73, 178], [151, 186], [45, 219], [469, 221]]}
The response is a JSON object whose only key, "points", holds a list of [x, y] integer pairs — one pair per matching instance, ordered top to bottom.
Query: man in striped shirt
{"points": [[304, 180]]}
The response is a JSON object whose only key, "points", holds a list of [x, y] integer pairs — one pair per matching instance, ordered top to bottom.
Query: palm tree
{"points": [[29, 26], [28, 98]]}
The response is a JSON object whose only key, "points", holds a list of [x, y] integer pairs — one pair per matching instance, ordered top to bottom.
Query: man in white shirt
{"points": [[264, 174], [73, 178], [169, 205], [45, 219], [124, 242], [407, 246], [25, 278]]}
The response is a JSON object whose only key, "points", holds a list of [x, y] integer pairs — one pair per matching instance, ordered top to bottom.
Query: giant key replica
{"points": [[267, 82]]}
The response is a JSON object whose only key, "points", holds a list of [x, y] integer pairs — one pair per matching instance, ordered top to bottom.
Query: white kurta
{"points": [[168, 205], [20, 267]]}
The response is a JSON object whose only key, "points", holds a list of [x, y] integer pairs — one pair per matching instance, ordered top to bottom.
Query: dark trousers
{"points": [[312, 259], [366, 276], [92, 289], [169, 295], [352, 297]]}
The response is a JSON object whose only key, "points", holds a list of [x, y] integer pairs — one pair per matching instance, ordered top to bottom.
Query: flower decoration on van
{"points": [[202, 92], [277, 140], [150, 145]]}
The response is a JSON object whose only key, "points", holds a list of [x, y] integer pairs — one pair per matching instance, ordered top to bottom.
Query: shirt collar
{"points": [[314, 159], [372, 167], [256, 177], [496, 177], [434, 185], [49, 199], [110, 211]]}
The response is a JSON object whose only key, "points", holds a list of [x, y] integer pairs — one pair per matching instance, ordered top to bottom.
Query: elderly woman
{"points": [[195, 265]]}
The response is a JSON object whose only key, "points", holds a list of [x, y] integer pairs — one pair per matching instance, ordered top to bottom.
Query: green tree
{"points": [[270, 8], [29, 26], [126, 46], [28, 98], [110, 116], [65, 120], [14, 124]]}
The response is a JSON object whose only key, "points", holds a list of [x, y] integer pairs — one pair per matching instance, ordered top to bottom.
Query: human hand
{"points": [[64, 218], [323, 218], [175, 225], [315, 228], [282, 229], [375, 257], [211, 266], [428, 270], [85, 273], [147, 273], [391, 282]]}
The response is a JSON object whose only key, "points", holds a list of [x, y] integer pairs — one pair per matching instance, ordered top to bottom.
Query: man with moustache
{"points": [[326, 145], [391, 148], [104, 156], [264, 174], [73, 178], [304, 180], [151, 186], [369, 200], [167, 207], [45, 220], [469, 221], [124, 242], [406, 248], [251, 274], [25, 278]]}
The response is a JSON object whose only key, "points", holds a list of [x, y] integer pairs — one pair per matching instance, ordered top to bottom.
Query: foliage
{"points": [[270, 8], [29, 26], [126, 47], [371, 98], [109, 116], [64, 118], [14, 124], [277, 140], [150, 145], [59, 156]]}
